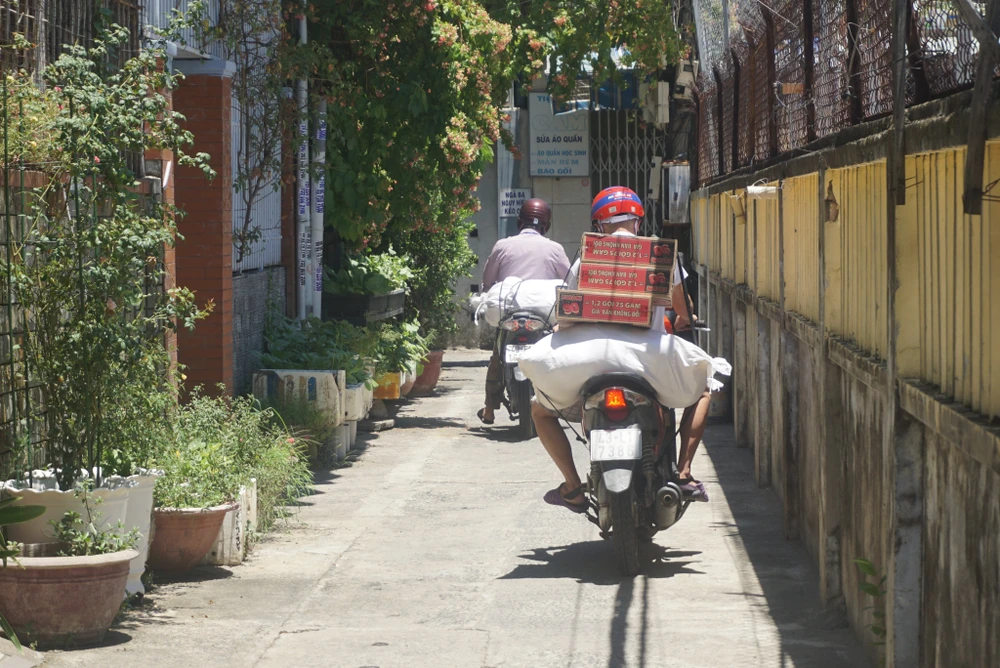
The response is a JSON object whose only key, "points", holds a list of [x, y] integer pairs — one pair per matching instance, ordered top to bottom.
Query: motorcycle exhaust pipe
{"points": [[668, 500]]}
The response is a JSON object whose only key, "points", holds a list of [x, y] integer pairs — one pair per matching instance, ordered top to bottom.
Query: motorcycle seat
{"points": [[626, 380]]}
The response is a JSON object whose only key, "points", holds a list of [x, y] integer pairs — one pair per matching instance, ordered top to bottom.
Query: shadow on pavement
{"points": [[466, 364], [417, 422], [501, 434], [593, 562], [199, 574], [810, 634]]}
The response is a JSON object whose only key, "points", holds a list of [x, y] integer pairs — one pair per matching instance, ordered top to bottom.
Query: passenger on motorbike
{"points": [[618, 210], [528, 255]]}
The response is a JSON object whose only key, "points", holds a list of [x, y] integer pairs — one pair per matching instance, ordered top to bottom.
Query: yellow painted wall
{"points": [[801, 243], [858, 243], [948, 266]]}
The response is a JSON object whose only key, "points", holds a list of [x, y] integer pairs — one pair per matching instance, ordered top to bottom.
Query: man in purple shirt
{"points": [[527, 255]]}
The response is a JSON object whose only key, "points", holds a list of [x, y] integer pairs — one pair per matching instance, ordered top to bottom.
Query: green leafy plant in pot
{"points": [[199, 486], [67, 592]]}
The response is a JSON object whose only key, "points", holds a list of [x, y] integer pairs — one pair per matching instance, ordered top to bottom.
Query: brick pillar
{"points": [[204, 257]]}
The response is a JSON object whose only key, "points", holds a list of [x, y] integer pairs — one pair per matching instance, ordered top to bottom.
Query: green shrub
{"points": [[371, 273], [317, 345], [399, 346], [219, 445]]}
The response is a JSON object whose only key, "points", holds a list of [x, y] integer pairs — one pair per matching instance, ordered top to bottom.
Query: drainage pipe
{"points": [[318, 201], [302, 227]]}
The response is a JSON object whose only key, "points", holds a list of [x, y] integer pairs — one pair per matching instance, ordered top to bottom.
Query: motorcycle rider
{"points": [[618, 210], [528, 255]]}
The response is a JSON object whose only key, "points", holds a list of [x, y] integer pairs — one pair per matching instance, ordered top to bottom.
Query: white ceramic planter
{"points": [[323, 389], [357, 402], [111, 509], [139, 515], [230, 548]]}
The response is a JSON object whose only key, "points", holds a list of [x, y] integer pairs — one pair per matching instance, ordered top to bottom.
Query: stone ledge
{"points": [[803, 329], [868, 369], [965, 429]]}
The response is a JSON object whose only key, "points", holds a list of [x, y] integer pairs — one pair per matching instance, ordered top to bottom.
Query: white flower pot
{"points": [[321, 389], [357, 402], [111, 509], [139, 515], [231, 545]]}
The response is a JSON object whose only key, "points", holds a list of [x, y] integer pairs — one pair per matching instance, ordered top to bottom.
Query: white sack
{"points": [[534, 295], [560, 364]]}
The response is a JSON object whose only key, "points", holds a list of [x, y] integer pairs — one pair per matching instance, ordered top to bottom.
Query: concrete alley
{"points": [[435, 549]]}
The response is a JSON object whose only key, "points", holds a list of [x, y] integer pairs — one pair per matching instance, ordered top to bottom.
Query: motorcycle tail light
{"points": [[511, 325], [533, 325], [615, 407]]}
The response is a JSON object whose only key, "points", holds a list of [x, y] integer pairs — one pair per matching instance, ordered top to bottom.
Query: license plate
{"points": [[513, 353], [615, 444]]}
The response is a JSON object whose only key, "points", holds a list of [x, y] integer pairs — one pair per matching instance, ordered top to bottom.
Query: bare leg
{"points": [[494, 387], [692, 429], [553, 438]]}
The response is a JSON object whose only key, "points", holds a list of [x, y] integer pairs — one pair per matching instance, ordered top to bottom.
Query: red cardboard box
{"points": [[625, 250], [623, 279], [576, 306]]}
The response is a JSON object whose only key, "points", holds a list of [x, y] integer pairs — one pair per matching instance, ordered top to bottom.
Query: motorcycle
{"points": [[516, 335], [633, 479]]}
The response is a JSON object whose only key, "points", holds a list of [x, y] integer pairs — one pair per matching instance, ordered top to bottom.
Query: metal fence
{"points": [[51, 25], [778, 74], [264, 250]]}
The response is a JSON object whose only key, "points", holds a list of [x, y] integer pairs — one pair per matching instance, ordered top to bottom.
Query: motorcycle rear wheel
{"points": [[526, 426], [625, 533]]}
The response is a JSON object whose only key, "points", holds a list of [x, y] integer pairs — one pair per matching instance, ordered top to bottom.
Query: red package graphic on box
{"points": [[626, 250], [624, 279], [575, 306]]}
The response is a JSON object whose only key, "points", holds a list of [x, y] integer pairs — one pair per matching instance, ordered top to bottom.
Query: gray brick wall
{"points": [[253, 295]]}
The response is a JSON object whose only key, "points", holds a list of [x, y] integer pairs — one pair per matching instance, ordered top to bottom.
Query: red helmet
{"points": [[616, 204], [535, 213]]}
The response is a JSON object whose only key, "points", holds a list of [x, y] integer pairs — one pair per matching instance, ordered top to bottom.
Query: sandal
{"points": [[482, 419], [693, 490], [555, 497]]}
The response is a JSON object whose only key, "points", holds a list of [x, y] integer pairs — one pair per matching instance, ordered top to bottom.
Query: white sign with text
{"points": [[560, 143], [511, 200]]}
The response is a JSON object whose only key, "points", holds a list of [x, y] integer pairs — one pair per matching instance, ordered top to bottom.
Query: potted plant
{"points": [[443, 258], [89, 270], [368, 288], [398, 350], [425, 383], [220, 446], [199, 486], [10, 515], [69, 591]]}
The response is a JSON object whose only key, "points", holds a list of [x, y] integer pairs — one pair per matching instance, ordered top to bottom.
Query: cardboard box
{"points": [[630, 251], [623, 279], [622, 309]]}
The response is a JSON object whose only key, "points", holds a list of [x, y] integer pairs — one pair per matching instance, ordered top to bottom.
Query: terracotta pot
{"points": [[428, 380], [181, 537], [60, 601]]}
